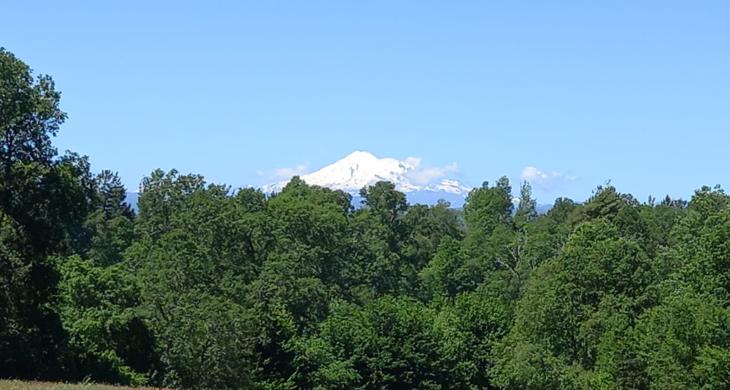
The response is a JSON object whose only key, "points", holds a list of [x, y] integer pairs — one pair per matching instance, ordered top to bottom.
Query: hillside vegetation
{"points": [[210, 287]]}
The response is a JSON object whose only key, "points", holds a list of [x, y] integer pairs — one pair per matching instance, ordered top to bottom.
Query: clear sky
{"points": [[636, 92]]}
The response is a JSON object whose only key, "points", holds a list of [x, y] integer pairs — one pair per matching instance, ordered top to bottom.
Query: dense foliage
{"points": [[210, 287]]}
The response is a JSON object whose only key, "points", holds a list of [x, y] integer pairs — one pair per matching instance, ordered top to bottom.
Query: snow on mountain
{"points": [[360, 169]]}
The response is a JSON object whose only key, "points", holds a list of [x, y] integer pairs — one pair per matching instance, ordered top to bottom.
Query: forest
{"points": [[207, 286]]}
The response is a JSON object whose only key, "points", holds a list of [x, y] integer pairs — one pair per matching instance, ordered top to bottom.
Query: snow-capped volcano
{"points": [[360, 169]]}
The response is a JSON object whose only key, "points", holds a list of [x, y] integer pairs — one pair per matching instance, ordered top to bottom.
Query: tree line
{"points": [[210, 287]]}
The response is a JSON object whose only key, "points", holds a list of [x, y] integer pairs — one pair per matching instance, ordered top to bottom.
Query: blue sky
{"points": [[633, 92]]}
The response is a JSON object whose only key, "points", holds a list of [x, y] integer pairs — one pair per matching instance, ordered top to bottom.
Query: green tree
{"points": [[43, 201], [307, 227], [425, 228], [109, 229], [196, 254], [377, 264], [98, 306], [573, 306], [685, 341], [390, 343]]}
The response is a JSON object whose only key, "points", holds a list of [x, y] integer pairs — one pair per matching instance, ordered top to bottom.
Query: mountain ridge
{"points": [[361, 168]]}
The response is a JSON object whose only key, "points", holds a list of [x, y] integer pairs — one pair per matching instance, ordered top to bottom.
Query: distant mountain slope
{"points": [[360, 169]]}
